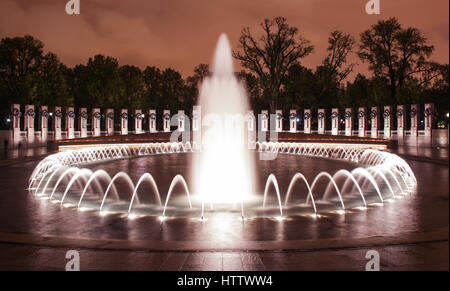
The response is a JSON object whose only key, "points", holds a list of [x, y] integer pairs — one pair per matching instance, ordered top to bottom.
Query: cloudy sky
{"points": [[182, 33]]}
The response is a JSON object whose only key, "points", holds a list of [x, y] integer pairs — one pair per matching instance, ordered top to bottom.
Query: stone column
{"points": [[387, 114], [428, 114], [138, 117], [196, 118], [82, 119], [96, 119], [414, 119], [15, 120], [152, 120], [166, 120], [181, 120], [264, 120], [362, 120], [401, 120], [109, 121], [124, 121], [251, 121], [279, 121], [293, 121], [307, 121], [321, 121], [335, 121], [348, 121], [29, 122], [70, 122], [374, 122], [43, 123], [57, 123], [197, 127]]}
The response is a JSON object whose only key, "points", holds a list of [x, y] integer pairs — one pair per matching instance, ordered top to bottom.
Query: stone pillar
{"points": [[387, 114], [428, 115], [138, 117], [196, 118], [96, 119], [414, 119], [15, 120], [82, 120], [152, 120], [166, 120], [181, 120], [264, 120], [362, 120], [401, 120], [109, 121], [124, 121], [279, 121], [293, 121], [307, 121], [321, 121], [335, 121], [29, 122], [70, 122], [348, 122], [374, 122], [43, 123], [57, 123], [251, 124], [197, 127], [251, 127]]}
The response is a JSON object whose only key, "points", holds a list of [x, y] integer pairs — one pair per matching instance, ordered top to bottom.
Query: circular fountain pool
{"points": [[137, 180]]}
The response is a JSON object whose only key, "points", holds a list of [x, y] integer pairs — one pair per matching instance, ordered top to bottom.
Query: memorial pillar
{"points": [[428, 114], [387, 115], [138, 117], [15, 119], [82, 119], [96, 119], [414, 119], [152, 120], [166, 120], [264, 120], [362, 120], [401, 120], [109, 121], [124, 121], [279, 121], [293, 121], [307, 121], [321, 121], [335, 121], [29, 122], [70, 122], [348, 122], [374, 122], [57, 123]]}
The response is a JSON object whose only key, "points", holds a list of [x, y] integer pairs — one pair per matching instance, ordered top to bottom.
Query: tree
{"points": [[394, 52], [272, 55], [20, 58], [333, 69], [98, 83], [52, 86], [132, 91]]}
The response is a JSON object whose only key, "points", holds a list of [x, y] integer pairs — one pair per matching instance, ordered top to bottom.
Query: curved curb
{"points": [[408, 238]]}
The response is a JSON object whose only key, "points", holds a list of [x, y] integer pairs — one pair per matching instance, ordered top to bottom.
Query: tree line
{"points": [[399, 60]]}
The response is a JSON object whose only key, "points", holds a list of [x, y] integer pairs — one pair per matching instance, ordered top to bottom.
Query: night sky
{"points": [[183, 33]]}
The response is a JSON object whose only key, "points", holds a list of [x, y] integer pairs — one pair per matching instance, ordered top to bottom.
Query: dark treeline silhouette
{"points": [[399, 59]]}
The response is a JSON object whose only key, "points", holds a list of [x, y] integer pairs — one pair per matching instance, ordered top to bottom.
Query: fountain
{"points": [[224, 156], [223, 169]]}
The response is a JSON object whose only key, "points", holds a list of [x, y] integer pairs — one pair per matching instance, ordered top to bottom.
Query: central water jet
{"points": [[223, 170]]}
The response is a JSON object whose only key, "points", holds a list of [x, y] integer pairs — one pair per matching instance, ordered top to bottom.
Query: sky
{"points": [[183, 33]]}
